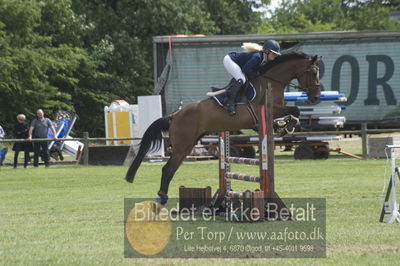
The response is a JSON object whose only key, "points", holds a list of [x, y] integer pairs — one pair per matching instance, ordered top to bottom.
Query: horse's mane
{"points": [[283, 58]]}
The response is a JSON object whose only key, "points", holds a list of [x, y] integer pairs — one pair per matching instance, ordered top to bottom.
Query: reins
{"points": [[291, 84]]}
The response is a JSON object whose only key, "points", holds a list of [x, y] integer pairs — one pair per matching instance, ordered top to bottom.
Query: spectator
{"points": [[21, 129], [39, 130], [3, 149]]}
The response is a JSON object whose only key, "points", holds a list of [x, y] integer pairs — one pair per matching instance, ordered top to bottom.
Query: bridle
{"points": [[311, 69]]}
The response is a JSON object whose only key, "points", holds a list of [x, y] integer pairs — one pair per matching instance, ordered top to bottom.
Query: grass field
{"points": [[74, 214]]}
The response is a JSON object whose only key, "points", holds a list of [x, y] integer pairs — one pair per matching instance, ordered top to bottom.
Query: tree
{"points": [[371, 14], [318, 15], [235, 17], [121, 33], [80, 55], [24, 63], [41, 67]]}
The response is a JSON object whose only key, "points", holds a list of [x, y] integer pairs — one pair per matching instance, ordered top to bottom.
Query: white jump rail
{"points": [[392, 207]]}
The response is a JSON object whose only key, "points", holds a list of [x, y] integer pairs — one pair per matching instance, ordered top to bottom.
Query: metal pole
{"points": [[364, 139], [85, 148], [227, 153], [222, 163], [394, 206]]}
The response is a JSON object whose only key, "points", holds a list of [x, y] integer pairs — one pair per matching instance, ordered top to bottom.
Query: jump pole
{"points": [[265, 136], [268, 153], [265, 163]]}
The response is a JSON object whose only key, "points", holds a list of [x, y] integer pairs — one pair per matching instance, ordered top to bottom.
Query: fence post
{"points": [[270, 139], [364, 140], [85, 148]]}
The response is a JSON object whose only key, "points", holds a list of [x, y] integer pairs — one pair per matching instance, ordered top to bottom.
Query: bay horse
{"points": [[196, 119]]}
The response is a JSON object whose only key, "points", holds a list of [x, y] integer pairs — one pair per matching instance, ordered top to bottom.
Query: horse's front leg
{"points": [[290, 117]]}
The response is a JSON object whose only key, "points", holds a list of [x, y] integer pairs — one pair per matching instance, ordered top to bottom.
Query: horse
{"points": [[196, 119]]}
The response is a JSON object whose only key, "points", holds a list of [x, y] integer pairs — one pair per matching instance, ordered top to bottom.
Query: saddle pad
{"points": [[250, 95]]}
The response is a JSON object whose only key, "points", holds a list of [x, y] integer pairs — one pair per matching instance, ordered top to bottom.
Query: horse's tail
{"points": [[151, 141]]}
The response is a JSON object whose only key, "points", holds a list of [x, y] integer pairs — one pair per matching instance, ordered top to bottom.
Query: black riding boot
{"points": [[231, 94]]}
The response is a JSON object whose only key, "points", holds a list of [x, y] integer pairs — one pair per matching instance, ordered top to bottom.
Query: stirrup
{"points": [[231, 109]]}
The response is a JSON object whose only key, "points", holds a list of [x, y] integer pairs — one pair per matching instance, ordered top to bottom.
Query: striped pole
{"points": [[263, 143], [242, 160], [265, 162], [222, 164], [243, 177], [234, 194]]}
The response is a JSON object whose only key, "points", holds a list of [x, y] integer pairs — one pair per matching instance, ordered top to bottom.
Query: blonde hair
{"points": [[252, 47], [21, 116]]}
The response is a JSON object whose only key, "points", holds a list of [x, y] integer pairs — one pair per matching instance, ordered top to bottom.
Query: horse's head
{"points": [[294, 65], [309, 79]]}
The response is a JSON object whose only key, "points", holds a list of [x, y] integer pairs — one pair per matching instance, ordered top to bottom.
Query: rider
{"points": [[242, 64]]}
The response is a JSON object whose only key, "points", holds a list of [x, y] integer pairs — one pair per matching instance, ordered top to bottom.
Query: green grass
{"points": [[74, 214]]}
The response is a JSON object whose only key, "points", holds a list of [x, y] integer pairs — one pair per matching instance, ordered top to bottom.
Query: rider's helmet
{"points": [[273, 46]]}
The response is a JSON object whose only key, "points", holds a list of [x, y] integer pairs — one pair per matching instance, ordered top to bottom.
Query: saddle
{"points": [[246, 94], [283, 126]]}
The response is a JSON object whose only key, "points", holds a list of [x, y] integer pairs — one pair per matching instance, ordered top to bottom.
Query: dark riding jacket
{"points": [[248, 62]]}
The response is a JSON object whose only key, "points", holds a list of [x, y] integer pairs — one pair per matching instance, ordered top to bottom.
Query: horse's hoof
{"points": [[281, 123], [291, 125], [290, 130], [161, 198]]}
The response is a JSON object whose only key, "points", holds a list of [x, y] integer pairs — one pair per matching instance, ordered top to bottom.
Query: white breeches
{"points": [[233, 69]]}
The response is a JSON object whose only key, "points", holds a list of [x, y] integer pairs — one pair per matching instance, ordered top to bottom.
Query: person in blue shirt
{"points": [[243, 65]]}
